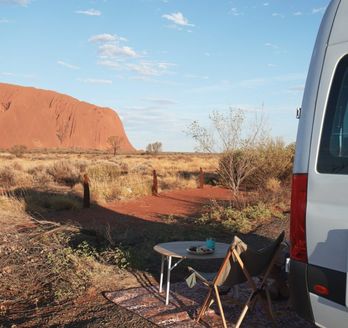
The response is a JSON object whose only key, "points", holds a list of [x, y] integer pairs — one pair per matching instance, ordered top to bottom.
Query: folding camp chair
{"points": [[240, 265]]}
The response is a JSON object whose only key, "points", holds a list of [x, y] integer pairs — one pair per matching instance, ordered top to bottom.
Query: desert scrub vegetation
{"points": [[18, 150], [249, 155], [266, 164], [66, 172], [111, 177], [239, 218], [55, 263]]}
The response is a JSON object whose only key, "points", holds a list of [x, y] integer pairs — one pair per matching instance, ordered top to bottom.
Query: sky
{"points": [[161, 64]]}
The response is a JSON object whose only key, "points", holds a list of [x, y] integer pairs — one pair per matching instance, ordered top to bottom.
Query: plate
{"points": [[199, 250]]}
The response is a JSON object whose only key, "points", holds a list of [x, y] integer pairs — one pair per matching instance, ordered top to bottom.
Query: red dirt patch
{"points": [[186, 202]]}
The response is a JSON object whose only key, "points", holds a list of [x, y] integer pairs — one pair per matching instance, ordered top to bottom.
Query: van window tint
{"points": [[333, 151]]}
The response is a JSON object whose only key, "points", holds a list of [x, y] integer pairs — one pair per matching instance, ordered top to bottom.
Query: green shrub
{"points": [[275, 161], [254, 167], [234, 219], [69, 268]]}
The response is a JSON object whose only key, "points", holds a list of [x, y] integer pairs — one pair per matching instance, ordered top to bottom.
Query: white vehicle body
{"points": [[319, 206]]}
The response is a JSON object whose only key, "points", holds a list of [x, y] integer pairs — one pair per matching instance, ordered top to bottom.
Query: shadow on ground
{"points": [[100, 226]]}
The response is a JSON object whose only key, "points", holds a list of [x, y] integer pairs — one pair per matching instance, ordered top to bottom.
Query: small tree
{"points": [[237, 138], [115, 143], [154, 148]]}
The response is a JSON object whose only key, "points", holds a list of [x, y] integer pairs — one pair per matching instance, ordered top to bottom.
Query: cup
{"points": [[210, 243]]}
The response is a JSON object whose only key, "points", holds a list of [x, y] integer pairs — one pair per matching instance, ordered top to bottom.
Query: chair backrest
{"points": [[255, 261]]}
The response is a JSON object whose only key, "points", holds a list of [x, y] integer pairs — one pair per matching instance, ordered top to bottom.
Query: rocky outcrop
{"points": [[45, 119]]}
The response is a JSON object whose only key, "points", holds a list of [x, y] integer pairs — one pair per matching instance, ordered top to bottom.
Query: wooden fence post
{"points": [[201, 178], [154, 184], [86, 193]]}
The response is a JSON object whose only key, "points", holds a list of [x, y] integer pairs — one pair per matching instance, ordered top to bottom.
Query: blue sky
{"points": [[163, 63]]}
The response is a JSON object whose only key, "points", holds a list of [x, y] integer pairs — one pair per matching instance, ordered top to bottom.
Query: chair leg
{"points": [[265, 298], [253, 301], [205, 305], [220, 306], [269, 306], [246, 307]]}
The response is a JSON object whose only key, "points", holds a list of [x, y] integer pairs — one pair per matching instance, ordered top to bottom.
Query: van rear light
{"points": [[298, 249], [321, 290]]}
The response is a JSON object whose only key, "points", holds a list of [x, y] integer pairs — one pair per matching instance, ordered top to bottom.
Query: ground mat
{"points": [[184, 303]]}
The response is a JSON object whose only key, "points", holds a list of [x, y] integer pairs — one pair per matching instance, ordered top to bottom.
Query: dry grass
{"points": [[111, 177]]}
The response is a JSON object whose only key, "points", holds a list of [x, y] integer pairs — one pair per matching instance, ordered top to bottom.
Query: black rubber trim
{"points": [[334, 280], [299, 291]]}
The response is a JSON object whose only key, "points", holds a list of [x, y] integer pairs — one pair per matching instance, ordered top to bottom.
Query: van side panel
{"points": [[339, 29], [304, 131], [327, 193], [327, 203], [298, 275], [332, 315]]}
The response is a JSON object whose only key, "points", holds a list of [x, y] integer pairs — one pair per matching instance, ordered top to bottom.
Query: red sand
{"points": [[46, 119], [187, 202]]}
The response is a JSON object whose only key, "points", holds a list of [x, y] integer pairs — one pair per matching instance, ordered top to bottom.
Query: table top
{"points": [[178, 249]]}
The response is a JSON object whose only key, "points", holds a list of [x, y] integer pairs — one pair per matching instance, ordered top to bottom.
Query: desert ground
{"points": [[58, 258]]}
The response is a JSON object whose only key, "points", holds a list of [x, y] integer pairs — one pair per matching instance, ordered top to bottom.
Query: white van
{"points": [[319, 201]]}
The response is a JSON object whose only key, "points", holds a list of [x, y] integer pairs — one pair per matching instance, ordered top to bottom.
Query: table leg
{"points": [[169, 268], [162, 270]]}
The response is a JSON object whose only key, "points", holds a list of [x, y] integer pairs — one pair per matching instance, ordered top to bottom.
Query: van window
{"points": [[333, 151]]}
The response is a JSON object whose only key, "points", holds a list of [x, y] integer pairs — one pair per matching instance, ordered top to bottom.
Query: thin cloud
{"points": [[23, 3], [266, 4], [319, 10], [89, 12], [235, 12], [298, 13], [278, 15], [178, 19], [4, 21], [106, 37], [271, 45], [114, 50], [116, 56], [110, 64], [67, 65], [149, 68], [8, 74], [25, 76], [198, 77], [95, 81], [258, 82], [160, 101], [142, 116]]}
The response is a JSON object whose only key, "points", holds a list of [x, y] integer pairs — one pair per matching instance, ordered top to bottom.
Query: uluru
{"points": [[39, 118]]}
